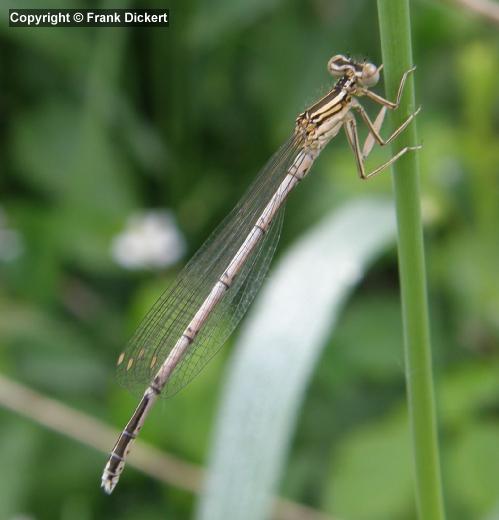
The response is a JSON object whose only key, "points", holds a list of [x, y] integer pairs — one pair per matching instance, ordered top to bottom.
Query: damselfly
{"points": [[193, 318]]}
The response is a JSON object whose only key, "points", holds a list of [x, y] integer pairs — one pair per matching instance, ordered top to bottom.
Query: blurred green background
{"points": [[113, 139]]}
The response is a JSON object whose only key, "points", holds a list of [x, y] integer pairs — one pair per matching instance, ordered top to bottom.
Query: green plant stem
{"points": [[397, 58]]}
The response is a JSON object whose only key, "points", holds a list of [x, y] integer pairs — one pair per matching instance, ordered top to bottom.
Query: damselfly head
{"points": [[366, 73]]}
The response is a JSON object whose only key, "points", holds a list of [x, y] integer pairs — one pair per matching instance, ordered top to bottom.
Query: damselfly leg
{"points": [[392, 105], [374, 128], [353, 139]]}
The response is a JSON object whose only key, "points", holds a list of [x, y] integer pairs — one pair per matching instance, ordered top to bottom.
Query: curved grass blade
{"points": [[277, 352]]}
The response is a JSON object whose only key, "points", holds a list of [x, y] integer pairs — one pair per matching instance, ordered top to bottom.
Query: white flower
{"points": [[151, 240]]}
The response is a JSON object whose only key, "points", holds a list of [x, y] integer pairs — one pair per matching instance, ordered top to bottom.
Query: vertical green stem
{"points": [[397, 57]]}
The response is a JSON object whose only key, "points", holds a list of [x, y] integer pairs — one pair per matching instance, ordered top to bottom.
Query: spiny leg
{"points": [[392, 105], [375, 127], [353, 139]]}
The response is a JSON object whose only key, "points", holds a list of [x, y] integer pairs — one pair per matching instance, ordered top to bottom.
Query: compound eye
{"points": [[338, 64], [370, 75]]}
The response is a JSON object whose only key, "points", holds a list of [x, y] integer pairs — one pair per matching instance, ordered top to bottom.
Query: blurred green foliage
{"points": [[100, 123]]}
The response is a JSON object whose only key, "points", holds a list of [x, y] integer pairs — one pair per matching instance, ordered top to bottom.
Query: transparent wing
{"points": [[228, 313], [170, 315]]}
